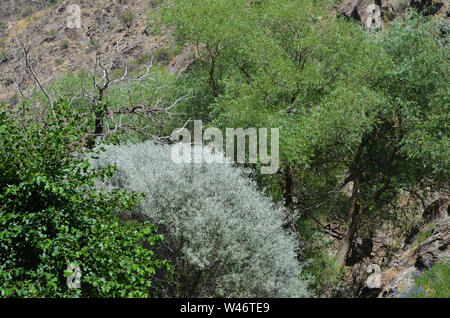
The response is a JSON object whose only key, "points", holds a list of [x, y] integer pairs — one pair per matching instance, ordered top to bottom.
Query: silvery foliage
{"points": [[223, 237]]}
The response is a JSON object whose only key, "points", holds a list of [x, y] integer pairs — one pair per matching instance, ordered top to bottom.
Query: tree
{"points": [[265, 62], [109, 96], [358, 109], [402, 140], [52, 215]]}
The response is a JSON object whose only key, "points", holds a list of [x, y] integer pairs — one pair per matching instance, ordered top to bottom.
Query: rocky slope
{"points": [[364, 10], [109, 27], [113, 29], [385, 265]]}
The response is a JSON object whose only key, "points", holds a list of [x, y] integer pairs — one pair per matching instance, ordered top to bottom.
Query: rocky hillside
{"points": [[366, 10], [116, 29], [111, 30], [385, 265]]}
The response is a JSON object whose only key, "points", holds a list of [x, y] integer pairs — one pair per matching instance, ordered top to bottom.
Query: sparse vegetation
{"points": [[27, 11], [127, 18], [51, 34], [94, 43], [64, 44], [3, 55], [162, 55], [59, 61], [432, 283]]}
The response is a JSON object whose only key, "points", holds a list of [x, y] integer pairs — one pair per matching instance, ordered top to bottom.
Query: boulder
{"points": [[435, 249], [398, 283]]}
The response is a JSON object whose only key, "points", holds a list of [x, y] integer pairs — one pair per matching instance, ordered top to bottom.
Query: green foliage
{"points": [[53, 2], [94, 43], [3, 55], [162, 55], [330, 86], [78, 89], [350, 104], [52, 215], [425, 232], [320, 266], [433, 283]]}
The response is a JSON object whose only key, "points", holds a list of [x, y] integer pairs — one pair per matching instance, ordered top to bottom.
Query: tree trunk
{"points": [[98, 129], [288, 195], [352, 224], [348, 238]]}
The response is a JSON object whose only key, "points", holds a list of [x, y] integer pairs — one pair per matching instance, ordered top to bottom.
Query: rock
{"points": [[348, 8], [366, 11], [371, 12], [372, 19], [180, 62], [437, 209], [436, 248], [400, 284]]}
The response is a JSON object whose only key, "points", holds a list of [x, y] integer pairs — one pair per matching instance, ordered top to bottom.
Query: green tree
{"points": [[354, 107], [52, 215]]}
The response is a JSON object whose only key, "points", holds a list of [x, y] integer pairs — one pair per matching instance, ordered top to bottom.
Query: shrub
{"points": [[27, 11], [127, 18], [51, 34], [94, 43], [64, 44], [3, 55], [162, 55], [144, 59], [51, 215], [425, 232], [224, 238], [325, 274]]}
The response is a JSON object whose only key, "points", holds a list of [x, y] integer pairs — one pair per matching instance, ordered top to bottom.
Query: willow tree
{"points": [[370, 109]]}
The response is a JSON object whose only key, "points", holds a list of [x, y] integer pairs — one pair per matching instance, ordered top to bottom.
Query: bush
{"points": [[27, 11], [127, 18], [51, 34], [94, 43], [64, 44], [3, 55], [162, 55], [52, 216], [425, 232], [223, 237], [324, 273]]}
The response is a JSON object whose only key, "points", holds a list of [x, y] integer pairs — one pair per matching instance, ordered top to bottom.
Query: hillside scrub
{"points": [[223, 237]]}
